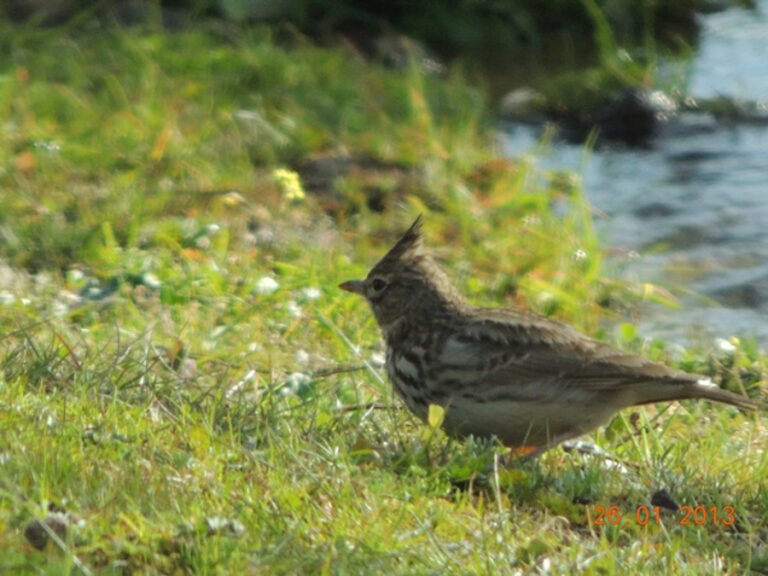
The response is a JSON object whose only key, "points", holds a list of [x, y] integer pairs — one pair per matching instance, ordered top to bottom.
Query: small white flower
{"points": [[580, 254], [75, 275], [151, 281], [266, 285], [93, 292], [312, 293], [294, 309], [725, 346], [302, 356], [377, 360], [250, 376], [217, 524]]}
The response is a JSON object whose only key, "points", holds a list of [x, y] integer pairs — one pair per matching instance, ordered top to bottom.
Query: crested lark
{"points": [[528, 380]]}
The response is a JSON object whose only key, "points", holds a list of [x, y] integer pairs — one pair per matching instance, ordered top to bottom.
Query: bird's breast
{"points": [[407, 373]]}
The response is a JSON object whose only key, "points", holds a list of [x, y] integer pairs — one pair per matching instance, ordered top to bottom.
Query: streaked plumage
{"points": [[522, 377]]}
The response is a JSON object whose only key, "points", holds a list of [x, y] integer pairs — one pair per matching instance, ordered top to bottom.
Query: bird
{"points": [[528, 380]]}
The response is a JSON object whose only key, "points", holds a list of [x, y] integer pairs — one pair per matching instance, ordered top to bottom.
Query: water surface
{"points": [[694, 205]]}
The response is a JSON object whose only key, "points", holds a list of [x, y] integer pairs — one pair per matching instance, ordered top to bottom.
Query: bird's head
{"points": [[406, 281]]}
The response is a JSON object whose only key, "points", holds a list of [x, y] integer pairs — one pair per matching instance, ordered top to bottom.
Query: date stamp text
{"points": [[643, 515]]}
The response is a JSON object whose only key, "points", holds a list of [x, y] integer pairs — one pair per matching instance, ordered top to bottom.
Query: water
{"points": [[695, 205]]}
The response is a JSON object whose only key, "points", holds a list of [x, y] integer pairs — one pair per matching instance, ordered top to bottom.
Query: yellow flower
{"points": [[289, 183]]}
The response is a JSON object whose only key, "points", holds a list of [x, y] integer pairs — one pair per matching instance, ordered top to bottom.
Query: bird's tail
{"points": [[702, 388], [710, 391]]}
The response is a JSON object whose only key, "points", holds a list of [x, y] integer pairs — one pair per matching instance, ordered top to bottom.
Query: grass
{"points": [[183, 383]]}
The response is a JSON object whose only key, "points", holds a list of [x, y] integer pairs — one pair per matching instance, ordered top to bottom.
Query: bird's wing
{"points": [[521, 354]]}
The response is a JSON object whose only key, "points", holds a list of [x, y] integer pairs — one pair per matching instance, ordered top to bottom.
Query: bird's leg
{"points": [[531, 452]]}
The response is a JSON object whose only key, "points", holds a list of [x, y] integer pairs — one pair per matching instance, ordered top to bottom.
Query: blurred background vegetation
{"points": [[461, 28]]}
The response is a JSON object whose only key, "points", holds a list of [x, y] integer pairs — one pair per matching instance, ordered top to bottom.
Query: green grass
{"points": [[190, 416]]}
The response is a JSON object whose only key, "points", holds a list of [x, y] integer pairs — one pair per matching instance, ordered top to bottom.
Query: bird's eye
{"points": [[378, 284]]}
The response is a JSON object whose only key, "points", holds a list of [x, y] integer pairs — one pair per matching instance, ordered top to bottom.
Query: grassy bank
{"points": [[183, 385]]}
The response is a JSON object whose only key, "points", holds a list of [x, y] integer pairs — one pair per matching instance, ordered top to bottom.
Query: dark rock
{"points": [[634, 115], [742, 296], [663, 499], [37, 535]]}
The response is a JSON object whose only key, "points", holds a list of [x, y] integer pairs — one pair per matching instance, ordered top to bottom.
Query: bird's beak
{"points": [[354, 286]]}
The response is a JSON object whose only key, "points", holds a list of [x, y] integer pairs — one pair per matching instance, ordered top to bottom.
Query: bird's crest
{"points": [[409, 245]]}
